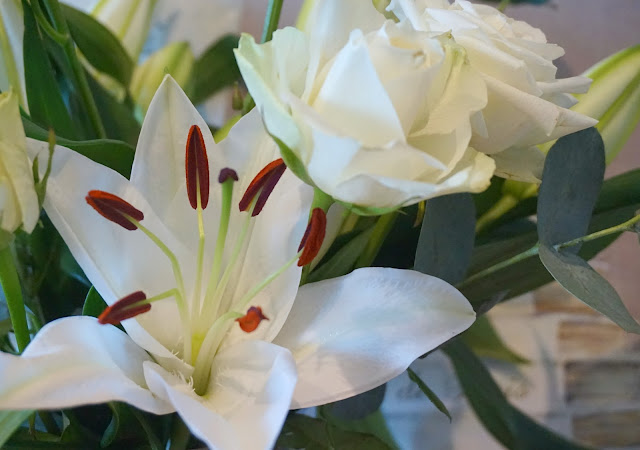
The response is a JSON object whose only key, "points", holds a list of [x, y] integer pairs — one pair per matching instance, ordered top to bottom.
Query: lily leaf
{"points": [[101, 48], [215, 69], [93, 303], [483, 339], [429, 393], [360, 406], [9, 422], [506, 423]]}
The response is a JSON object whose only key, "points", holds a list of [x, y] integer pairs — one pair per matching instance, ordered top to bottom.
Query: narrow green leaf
{"points": [[102, 49], [215, 69], [46, 106], [117, 155], [293, 162], [571, 181], [447, 237], [343, 261], [577, 277], [93, 304], [483, 339], [433, 398], [360, 406], [9, 422], [506, 423], [111, 432], [303, 432]]}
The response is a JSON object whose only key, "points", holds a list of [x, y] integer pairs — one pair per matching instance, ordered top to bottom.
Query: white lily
{"points": [[11, 60], [186, 354]]}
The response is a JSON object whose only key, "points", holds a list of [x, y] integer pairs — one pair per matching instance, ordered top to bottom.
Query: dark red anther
{"points": [[197, 168], [226, 174], [262, 185], [114, 208], [313, 237], [125, 308], [250, 321]]}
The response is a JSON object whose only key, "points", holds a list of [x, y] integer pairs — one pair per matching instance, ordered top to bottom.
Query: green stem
{"points": [[271, 19], [60, 24], [59, 38], [502, 206], [629, 225], [380, 231], [13, 294], [180, 434]]}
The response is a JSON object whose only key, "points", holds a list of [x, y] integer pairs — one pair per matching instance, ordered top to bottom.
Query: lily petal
{"points": [[118, 262], [353, 333], [76, 361], [248, 399]]}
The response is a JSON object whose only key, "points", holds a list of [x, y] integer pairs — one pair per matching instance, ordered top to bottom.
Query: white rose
{"points": [[11, 59], [527, 105], [379, 114], [18, 199]]}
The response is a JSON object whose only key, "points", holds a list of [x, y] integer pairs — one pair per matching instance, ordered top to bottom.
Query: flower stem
{"points": [[271, 19], [60, 24], [629, 225], [380, 231], [13, 294]]}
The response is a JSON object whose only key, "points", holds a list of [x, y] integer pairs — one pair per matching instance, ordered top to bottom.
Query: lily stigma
{"points": [[208, 317]]}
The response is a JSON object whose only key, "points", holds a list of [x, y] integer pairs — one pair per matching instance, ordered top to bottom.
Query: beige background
{"points": [[588, 30]]}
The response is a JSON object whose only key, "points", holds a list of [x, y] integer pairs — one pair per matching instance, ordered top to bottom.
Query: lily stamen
{"points": [[261, 186], [114, 208], [313, 237], [130, 306], [250, 321]]}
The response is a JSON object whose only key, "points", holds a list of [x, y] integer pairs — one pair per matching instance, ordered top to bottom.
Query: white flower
{"points": [[11, 59], [527, 105], [378, 113], [18, 198], [187, 354]]}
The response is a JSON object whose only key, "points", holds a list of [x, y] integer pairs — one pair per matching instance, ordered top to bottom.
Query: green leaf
{"points": [[102, 49], [215, 69], [46, 106], [117, 116], [117, 155], [293, 162], [571, 181], [447, 237], [343, 261], [577, 277], [94, 304], [483, 339], [433, 398], [359, 406], [9, 422], [507, 424], [111, 432], [303, 432]]}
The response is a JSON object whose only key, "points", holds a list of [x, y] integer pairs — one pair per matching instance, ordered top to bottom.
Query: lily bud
{"points": [[128, 21], [175, 59], [11, 60], [614, 98], [18, 199]]}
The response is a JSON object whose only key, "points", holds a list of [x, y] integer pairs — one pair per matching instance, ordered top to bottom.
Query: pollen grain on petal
{"points": [[197, 168], [262, 185], [114, 208], [313, 237], [125, 308], [250, 321]]}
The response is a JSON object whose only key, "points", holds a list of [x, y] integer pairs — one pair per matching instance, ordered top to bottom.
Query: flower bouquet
{"points": [[350, 195]]}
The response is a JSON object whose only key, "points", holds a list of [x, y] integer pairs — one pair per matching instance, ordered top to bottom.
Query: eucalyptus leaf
{"points": [[102, 49], [215, 69], [46, 106], [571, 181], [447, 237], [579, 278], [94, 304], [483, 339], [433, 398], [360, 406], [9, 422], [506, 423]]}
